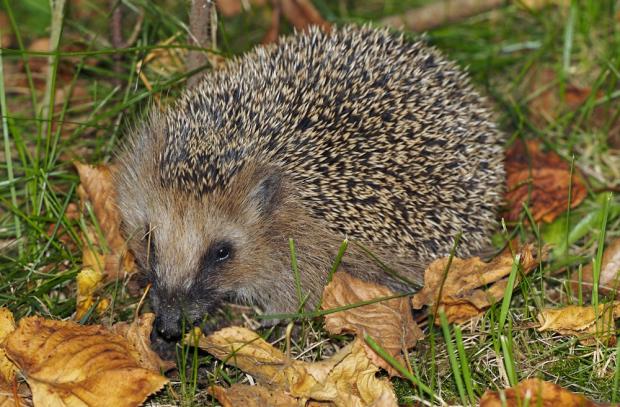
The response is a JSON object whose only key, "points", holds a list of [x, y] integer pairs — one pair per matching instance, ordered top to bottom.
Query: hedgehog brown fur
{"points": [[355, 133]]}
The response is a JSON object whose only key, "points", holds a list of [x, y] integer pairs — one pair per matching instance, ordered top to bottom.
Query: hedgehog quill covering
{"points": [[356, 133]]}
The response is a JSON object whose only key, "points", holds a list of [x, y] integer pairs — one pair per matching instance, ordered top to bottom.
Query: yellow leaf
{"points": [[97, 187], [609, 278], [88, 281], [463, 293], [389, 322], [587, 323], [7, 325], [138, 333], [67, 364], [346, 379], [9, 390], [535, 392], [252, 396]]}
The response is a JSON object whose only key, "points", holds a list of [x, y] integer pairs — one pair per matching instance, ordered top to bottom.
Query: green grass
{"points": [[43, 131]]}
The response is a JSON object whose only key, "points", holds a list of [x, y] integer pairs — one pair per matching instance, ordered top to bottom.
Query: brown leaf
{"points": [[230, 8], [302, 14], [6, 35], [271, 36], [550, 100], [542, 179], [96, 186], [101, 260], [608, 279], [463, 295], [389, 322], [589, 325], [7, 326], [138, 334], [67, 364], [346, 379], [539, 393], [10, 394], [251, 396]]}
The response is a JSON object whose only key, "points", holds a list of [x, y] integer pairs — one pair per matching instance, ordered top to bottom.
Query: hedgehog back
{"points": [[387, 140]]}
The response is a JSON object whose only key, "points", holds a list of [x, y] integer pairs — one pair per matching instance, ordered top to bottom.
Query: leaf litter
{"points": [[470, 285], [389, 322], [67, 364], [348, 378]]}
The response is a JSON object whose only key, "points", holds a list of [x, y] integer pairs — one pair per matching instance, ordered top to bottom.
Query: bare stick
{"points": [[440, 13], [202, 26], [274, 28], [116, 36]]}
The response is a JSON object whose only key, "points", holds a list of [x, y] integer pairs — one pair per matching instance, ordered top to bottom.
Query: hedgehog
{"points": [[357, 134]]}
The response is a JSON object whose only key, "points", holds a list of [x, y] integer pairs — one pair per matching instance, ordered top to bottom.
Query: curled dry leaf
{"points": [[230, 8], [300, 13], [6, 36], [551, 100], [541, 179], [96, 186], [101, 260], [609, 277], [88, 282], [464, 295], [389, 322], [590, 325], [7, 326], [138, 334], [67, 364], [346, 379], [539, 393], [11, 395], [252, 396]]}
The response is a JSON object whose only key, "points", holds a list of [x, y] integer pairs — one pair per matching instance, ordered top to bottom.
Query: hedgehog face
{"points": [[200, 250]]}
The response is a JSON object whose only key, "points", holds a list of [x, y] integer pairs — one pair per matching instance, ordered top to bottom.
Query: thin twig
{"points": [[439, 13], [203, 27], [116, 36]]}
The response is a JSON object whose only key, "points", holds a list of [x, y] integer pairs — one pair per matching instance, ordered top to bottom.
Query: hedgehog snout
{"points": [[173, 315]]}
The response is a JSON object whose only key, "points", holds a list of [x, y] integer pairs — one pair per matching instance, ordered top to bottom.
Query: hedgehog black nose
{"points": [[168, 324]]}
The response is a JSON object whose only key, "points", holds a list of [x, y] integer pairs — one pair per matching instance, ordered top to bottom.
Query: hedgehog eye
{"points": [[222, 253]]}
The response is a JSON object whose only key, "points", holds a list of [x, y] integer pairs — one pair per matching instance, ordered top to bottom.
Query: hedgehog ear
{"points": [[267, 193]]}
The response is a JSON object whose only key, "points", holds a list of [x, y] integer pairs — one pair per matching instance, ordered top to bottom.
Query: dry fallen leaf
{"points": [[230, 8], [300, 13], [6, 35], [550, 100], [541, 179], [96, 186], [106, 260], [609, 279], [88, 282], [463, 295], [389, 322], [590, 325], [7, 326], [138, 334], [67, 364], [346, 379], [537, 393], [11, 395], [252, 396]]}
